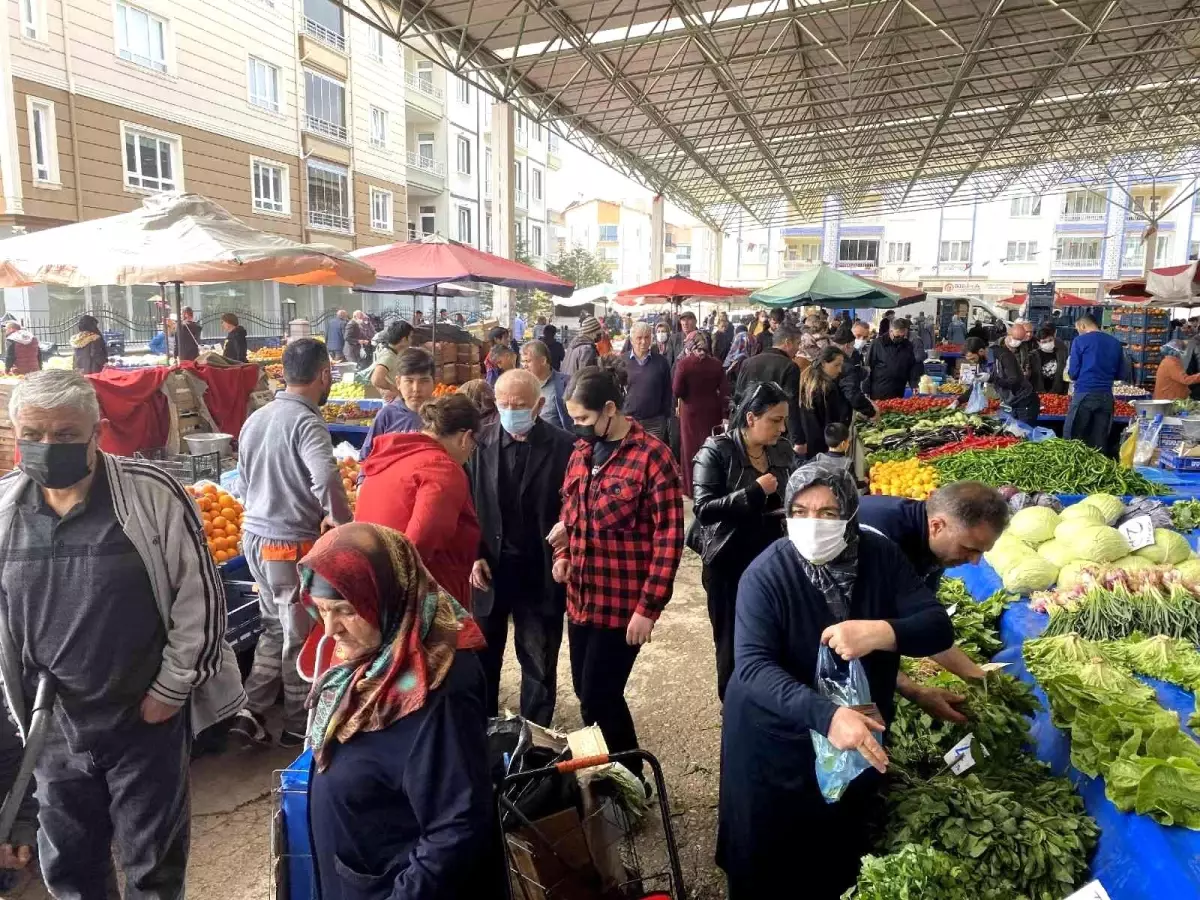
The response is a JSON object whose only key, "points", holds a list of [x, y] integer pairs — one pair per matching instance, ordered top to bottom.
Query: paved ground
{"points": [[674, 701]]}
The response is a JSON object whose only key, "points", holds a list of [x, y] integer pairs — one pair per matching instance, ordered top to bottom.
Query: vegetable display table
{"points": [[1136, 858]]}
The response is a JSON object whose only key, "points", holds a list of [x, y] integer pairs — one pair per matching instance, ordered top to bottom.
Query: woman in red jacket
{"points": [[416, 484]]}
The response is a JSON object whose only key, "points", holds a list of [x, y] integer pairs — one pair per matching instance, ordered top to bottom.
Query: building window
{"points": [[31, 20], [323, 21], [141, 37], [375, 43], [425, 75], [264, 85], [462, 90], [324, 105], [379, 128], [521, 129], [537, 132], [43, 141], [552, 142], [425, 147], [463, 155], [150, 161], [487, 172], [518, 176], [535, 176], [269, 186], [328, 196], [1083, 206], [1025, 207], [381, 209], [428, 220], [464, 224], [412, 231], [487, 231], [608, 234], [535, 241], [1193, 250], [683, 251], [899, 251], [1021, 251], [1135, 251], [955, 252], [1079, 252], [857, 253], [683, 270]]}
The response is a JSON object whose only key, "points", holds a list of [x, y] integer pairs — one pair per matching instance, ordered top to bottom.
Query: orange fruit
{"points": [[209, 489], [228, 512], [219, 522], [231, 531], [220, 556]]}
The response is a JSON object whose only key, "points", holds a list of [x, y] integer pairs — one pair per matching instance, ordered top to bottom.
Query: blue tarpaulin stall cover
{"points": [[1136, 858]]}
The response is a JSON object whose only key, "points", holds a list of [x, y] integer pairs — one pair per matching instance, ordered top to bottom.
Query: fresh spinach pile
{"points": [[1185, 515], [974, 623], [1118, 730], [917, 871]]}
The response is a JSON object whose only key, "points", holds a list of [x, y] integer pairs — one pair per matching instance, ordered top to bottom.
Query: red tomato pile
{"points": [[949, 348], [1054, 404], [911, 405]]}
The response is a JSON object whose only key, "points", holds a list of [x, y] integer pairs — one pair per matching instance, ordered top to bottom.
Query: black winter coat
{"points": [[235, 344], [1038, 360], [774, 365], [894, 366], [1008, 376], [850, 382], [827, 407], [545, 471], [732, 524]]}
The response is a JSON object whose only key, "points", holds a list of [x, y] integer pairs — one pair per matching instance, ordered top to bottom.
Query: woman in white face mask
{"points": [[826, 583]]}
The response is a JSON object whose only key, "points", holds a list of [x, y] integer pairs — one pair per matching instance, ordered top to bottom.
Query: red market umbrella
{"points": [[435, 260], [675, 289], [907, 296], [1061, 299]]}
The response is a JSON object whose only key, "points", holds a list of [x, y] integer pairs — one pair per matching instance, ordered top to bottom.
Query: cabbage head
{"points": [[1110, 506], [1083, 511], [1034, 524], [1067, 528], [1098, 544], [1169, 547], [1007, 549], [1058, 552], [1132, 563], [1190, 569], [1030, 573], [1071, 574]]}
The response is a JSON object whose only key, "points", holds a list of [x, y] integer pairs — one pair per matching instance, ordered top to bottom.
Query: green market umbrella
{"points": [[825, 286]]}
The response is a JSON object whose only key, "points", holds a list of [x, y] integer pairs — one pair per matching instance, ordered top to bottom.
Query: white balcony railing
{"points": [[326, 36], [422, 85], [318, 125], [427, 164], [521, 199], [1082, 216], [330, 220], [1077, 262], [858, 264]]}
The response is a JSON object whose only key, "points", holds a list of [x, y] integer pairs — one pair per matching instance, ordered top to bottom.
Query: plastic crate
{"points": [[1142, 317], [1146, 356], [935, 368], [1170, 459], [243, 616]]}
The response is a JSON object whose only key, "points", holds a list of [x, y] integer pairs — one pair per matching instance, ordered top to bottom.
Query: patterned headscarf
{"points": [[697, 340], [739, 349], [377, 570], [836, 578]]}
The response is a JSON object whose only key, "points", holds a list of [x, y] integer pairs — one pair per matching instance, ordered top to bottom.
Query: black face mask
{"points": [[588, 432], [54, 466]]}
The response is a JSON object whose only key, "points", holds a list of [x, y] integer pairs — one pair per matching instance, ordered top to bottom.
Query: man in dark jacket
{"points": [[335, 334], [187, 337], [235, 338], [554, 345], [22, 353], [893, 363], [1048, 363], [777, 365], [853, 375], [1008, 375], [648, 397], [516, 475]]}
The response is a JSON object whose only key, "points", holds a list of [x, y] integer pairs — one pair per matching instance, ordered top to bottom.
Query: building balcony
{"points": [[326, 36], [422, 96], [325, 128], [553, 161], [425, 172], [521, 199], [1082, 216], [328, 221], [1077, 263], [859, 265]]}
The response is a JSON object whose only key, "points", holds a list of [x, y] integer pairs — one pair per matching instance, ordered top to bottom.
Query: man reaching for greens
{"points": [[956, 525]]}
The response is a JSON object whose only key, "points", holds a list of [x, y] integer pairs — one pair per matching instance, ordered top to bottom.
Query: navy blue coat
{"points": [[906, 524], [408, 811], [774, 826]]}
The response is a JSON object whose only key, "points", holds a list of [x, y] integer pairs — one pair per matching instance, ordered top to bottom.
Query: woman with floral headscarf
{"points": [[702, 393], [825, 583], [400, 800]]}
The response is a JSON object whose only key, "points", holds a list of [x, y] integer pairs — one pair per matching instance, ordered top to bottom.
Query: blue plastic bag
{"points": [[845, 683]]}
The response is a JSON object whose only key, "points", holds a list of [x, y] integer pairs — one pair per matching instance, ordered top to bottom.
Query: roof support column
{"points": [[503, 206], [657, 234], [717, 252]]}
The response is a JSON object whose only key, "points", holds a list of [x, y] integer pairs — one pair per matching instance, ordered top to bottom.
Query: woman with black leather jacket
{"points": [[737, 487]]}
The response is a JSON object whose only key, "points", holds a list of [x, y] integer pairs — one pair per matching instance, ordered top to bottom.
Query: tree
{"points": [[581, 266], [529, 303]]}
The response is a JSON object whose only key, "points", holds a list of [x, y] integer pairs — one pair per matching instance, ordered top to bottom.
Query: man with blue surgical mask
{"points": [[517, 474]]}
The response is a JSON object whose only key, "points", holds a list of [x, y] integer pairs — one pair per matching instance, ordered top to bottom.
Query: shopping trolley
{"points": [[594, 850]]}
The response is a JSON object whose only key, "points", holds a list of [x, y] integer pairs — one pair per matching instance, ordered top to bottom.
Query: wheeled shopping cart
{"points": [[592, 849]]}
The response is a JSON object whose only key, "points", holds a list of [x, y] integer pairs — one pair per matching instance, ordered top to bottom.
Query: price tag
{"points": [[347, 378], [1138, 531], [951, 609], [961, 756], [1092, 891]]}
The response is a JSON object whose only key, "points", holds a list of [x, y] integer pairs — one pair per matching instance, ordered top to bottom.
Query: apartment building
{"points": [[298, 119], [449, 163], [620, 232]]}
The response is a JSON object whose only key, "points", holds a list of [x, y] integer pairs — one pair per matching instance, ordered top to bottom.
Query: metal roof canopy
{"points": [[760, 111]]}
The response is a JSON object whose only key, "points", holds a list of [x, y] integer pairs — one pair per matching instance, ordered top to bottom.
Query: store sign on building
{"points": [[962, 287], [1041, 293]]}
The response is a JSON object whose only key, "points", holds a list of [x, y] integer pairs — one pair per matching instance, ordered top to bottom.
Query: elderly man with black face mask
{"points": [[517, 475], [107, 585], [827, 587]]}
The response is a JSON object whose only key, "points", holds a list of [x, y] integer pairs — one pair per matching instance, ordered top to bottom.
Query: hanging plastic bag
{"points": [[977, 402], [845, 683]]}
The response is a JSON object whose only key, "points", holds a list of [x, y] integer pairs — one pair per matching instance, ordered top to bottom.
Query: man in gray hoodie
{"points": [[292, 489]]}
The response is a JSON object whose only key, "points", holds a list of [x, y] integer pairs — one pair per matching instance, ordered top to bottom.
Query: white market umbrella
{"points": [[171, 238]]}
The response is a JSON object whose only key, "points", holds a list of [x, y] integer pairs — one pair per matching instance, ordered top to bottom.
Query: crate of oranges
{"points": [[349, 472], [903, 478], [221, 515]]}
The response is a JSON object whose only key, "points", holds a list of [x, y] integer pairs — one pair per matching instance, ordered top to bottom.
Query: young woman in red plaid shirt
{"points": [[623, 514]]}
